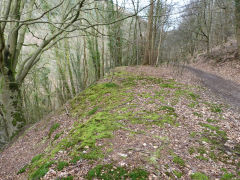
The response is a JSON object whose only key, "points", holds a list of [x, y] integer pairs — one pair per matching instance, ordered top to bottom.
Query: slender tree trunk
{"points": [[237, 21], [159, 46], [67, 55], [103, 59], [147, 60], [85, 66]]}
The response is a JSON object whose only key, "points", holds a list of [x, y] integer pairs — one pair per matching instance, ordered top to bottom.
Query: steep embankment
{"points": [[223, 61], [142, 125]]}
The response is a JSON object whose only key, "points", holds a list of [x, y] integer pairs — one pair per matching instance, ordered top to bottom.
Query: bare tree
{"points": [[18, 17]]}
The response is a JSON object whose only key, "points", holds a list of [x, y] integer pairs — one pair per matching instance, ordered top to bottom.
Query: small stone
{"points": [[130, 152], [229, 153], [123, 155], [122, 164], [52, 172], [63, 174]]}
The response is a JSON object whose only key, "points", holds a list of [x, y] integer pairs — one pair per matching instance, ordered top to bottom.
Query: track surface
{"points": [[227, 89]]}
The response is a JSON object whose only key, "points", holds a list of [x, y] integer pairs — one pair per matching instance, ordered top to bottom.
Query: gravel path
{"points": [[226, 89]]}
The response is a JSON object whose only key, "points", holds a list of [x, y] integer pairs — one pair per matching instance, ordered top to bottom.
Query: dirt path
{"points": [[226, 89]]}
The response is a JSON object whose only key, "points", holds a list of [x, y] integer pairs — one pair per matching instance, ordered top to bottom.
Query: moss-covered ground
{"points": [[140, 127]]}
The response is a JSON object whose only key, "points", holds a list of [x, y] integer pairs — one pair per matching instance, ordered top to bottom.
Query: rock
{"points": [[229, 153], [122, 155], [122, 164], [52, 172], [63, 174]]}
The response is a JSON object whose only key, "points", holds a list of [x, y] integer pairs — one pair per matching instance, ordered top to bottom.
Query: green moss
{"points": [[110, 85], [168, 85], [179, 93], [195, 97], [193, 104], [167, 108], [215, 108], [93, 111], [197, 114], [169, 119], [211, 120], [14, 122], [99, 126], [209, 126], [53, 128], [193, 134], [57, 136], [215, 137], [191, 150], [201, 150], [94, 154], [156, 155], [213, 156], [36, 158], [202, 158], [75, 159], [178, 160], [61, 165], [22, 170], [41, 171], [109, 171], [138, 174], [178, 174], [199, 176], [227, 176], [65, 178]]}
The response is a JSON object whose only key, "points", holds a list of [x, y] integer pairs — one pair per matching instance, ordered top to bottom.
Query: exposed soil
{"points": [[226, 89]]}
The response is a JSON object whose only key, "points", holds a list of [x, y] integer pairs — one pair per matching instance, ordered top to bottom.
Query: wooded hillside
{"points": [[79, 78]]}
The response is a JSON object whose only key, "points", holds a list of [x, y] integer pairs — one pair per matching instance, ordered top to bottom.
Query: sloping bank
{"points": [[140, 127]]}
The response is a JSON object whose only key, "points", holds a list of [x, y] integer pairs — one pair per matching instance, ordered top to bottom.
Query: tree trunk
{"points": [[237, 21], [147, 60], [11, 115]]}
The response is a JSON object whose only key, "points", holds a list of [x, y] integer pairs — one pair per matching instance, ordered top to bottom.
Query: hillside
{"points": [[223, 60], [141, 123]]}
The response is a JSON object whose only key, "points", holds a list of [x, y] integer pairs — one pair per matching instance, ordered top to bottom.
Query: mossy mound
{"points": [[106, 107]]}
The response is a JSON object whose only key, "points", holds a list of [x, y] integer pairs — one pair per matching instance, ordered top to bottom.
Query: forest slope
{"points": [[223, 61], [141, 123]]}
